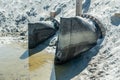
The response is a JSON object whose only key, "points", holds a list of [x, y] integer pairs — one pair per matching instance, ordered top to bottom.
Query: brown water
{"points": [[39, 60], [35, 67]]}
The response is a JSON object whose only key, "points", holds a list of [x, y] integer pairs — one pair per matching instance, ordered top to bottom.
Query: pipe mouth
{"points": [[97, 23]]}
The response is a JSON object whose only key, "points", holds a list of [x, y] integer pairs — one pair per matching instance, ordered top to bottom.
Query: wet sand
{"points": [[39, 60], [40, 65], [11, 66], [34, 67]]}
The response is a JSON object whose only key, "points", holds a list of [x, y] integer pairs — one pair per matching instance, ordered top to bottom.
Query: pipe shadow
{"points": [[86, 6], [115, 20], [40, 47], [35, 50], [25, 55], [74, 67]]}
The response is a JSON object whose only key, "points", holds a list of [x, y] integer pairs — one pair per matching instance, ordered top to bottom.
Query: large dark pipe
{"points": [[39, 32], [76, 35]]}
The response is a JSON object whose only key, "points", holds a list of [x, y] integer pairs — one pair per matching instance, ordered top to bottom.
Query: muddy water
{"points": [[39, 60], [16, 64], [40, 65], [11, 66]]}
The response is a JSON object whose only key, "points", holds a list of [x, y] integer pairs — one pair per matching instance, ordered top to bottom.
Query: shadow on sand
{"points": [[86, 6], [115, 20], [35, 50], [24, 55], [76, 66]]}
